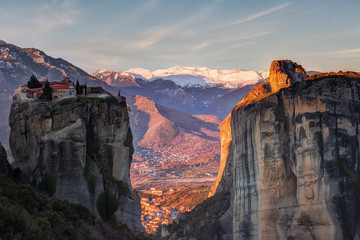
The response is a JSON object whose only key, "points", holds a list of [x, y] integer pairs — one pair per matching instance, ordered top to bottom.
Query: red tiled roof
{"points": [[60, 86], [35, 89]]}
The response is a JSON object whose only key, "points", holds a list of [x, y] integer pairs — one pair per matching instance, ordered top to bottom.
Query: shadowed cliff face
{"points": [[86, 144], [293, 160], [5, 167]]}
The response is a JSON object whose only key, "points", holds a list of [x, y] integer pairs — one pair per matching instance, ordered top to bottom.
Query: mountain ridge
{"points": [[186, 76]]}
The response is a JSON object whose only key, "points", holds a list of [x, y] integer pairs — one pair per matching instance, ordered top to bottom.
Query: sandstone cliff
{"points": [[284, 73], [86, 143], [293, 159]]}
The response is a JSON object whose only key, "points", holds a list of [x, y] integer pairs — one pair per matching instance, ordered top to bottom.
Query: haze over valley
{"points": [[174, 120]]}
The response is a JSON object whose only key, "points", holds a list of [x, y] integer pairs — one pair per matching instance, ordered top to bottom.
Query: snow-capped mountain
{"points": [[197, 76], [229, 78], [188, 89]]}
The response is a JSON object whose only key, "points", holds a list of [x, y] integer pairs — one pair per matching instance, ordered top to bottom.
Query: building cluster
{"points": [[60, 89], [153, 214]]}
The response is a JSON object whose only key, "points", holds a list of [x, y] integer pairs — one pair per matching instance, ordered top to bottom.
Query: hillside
{"points": [[178, 141], [35, 216]]}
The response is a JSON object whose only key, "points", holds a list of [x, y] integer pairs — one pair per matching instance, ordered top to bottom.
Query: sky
{"points": [[322, 35]]}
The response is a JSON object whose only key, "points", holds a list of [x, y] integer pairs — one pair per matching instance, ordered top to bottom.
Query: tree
{"points": [[33, 82], [77, 87], [85, 89], [47, 92], [107, 204]]}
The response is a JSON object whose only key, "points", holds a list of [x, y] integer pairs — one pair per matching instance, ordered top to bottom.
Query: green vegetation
{"points": [[33, 82], [77, 88], [80, 89], [47, 92], [47, 183], [123, 188], [107, 204], [26, 214], [29, 215]]}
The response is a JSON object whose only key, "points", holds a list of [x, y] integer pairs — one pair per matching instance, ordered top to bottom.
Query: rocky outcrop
{"points": [[283, 73], [85, 143], [293, 161], [5, 167], [223, 182]]}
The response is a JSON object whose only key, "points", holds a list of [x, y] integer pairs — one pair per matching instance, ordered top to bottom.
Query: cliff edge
{"points": [[82, 144], [293, 158]]}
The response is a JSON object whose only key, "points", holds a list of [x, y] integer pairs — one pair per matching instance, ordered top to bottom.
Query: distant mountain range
{"points": [[185, 76], [193, 90]]}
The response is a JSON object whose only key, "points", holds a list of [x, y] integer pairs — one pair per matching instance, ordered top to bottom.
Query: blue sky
{"points": [[321, 35]]}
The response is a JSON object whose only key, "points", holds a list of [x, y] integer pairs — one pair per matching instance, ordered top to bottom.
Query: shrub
{"points": [[48, 184], [107, 204]]}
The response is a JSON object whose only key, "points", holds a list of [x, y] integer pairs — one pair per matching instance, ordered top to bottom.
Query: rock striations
{"points": [[86, 143], [291, 158]]}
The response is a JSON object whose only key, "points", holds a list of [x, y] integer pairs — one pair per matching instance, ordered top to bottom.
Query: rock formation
{"points": [[284, 73], [86, 143], [293, 158], [5, 167]]}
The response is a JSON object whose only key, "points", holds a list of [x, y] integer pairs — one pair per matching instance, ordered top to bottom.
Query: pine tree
{"points": [[33, 82], [77, 87], [47, 92]]}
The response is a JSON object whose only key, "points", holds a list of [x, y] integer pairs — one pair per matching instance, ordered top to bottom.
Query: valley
{"points": [[176, 146], [187, 152]]}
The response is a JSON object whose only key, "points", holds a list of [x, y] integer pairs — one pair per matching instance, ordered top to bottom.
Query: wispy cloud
{"points": [[149, 5], [56, 14], [135, 14], [254, 16], [40, 18], [163, 31], [335, 34], [228, 39], [200, 46], [221, 50], [340, 53]]}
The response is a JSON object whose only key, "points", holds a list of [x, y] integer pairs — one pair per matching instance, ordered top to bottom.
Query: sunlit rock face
{"points": [[283, 73], [85, 143], [293, 161], [223, 181]]}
